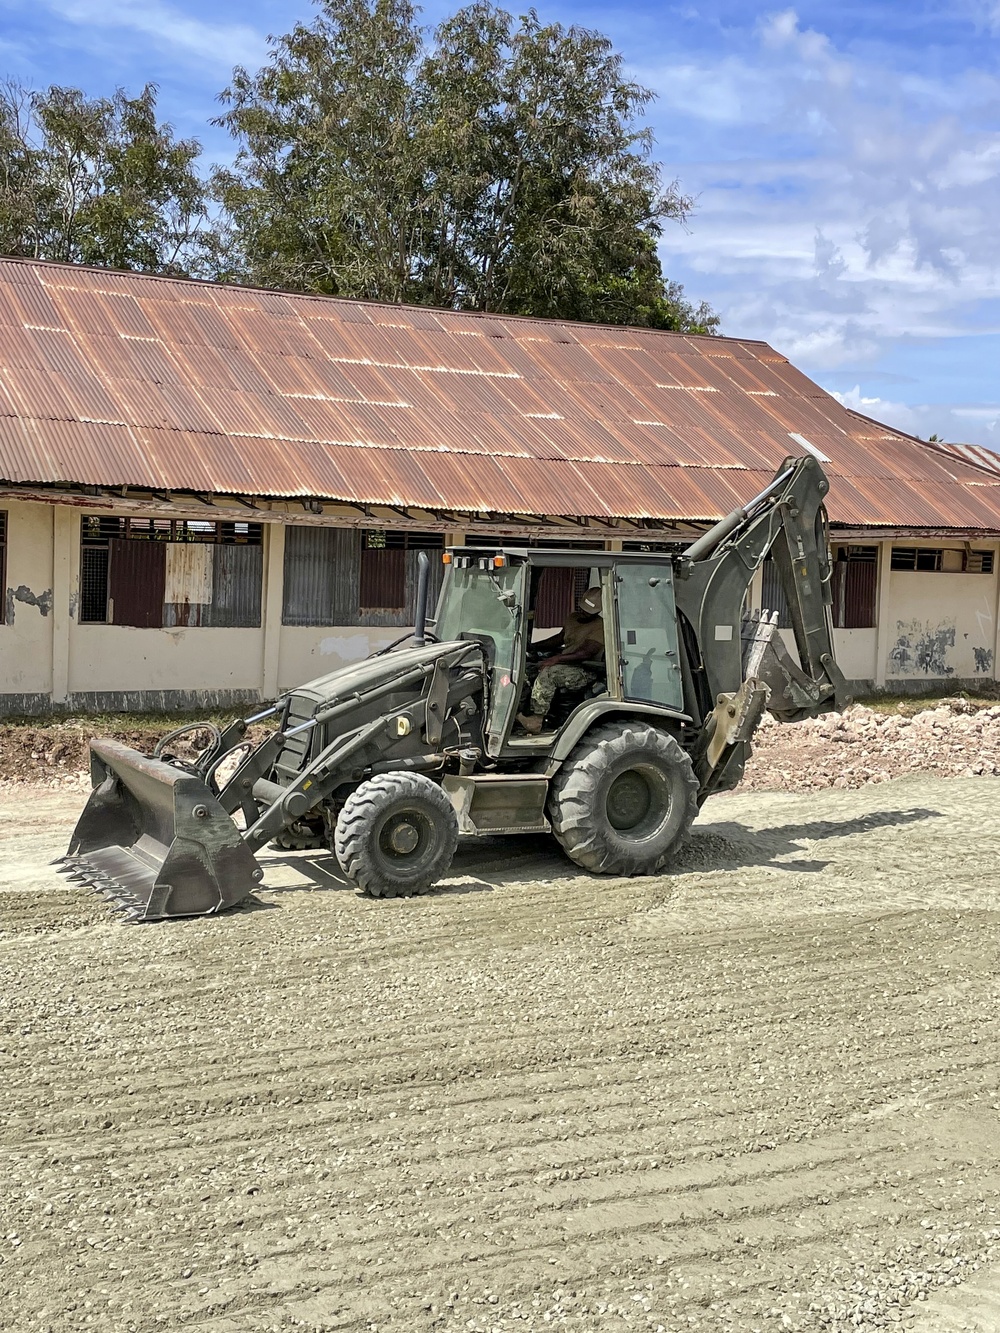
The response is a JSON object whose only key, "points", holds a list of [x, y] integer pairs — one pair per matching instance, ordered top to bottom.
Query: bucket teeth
{"points": [[78, 870]]}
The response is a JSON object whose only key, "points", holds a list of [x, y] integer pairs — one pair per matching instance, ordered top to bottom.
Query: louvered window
{"points": [[941, 560]]}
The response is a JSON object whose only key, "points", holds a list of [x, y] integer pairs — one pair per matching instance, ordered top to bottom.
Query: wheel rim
{"points": [[638, 801], [405, 843]]}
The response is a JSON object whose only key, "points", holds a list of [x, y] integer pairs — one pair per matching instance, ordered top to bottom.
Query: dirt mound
{"points": [[954, 738], [54, 753]]}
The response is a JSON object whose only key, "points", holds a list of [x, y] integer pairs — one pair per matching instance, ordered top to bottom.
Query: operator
{"points": [[581, 640]]}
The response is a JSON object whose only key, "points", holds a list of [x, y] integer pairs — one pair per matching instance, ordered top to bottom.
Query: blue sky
{"points": [[845, 158]]}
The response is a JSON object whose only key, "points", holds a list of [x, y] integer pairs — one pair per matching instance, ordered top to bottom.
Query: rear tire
{"points": [[624, 800], [396, 835]]}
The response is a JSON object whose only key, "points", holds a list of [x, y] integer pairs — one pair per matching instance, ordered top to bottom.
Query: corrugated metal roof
{"points": [[110, 379], [974, 453]]}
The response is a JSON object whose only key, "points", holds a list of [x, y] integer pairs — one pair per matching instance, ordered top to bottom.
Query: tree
{"points": [[497, 165], [96, 181]]}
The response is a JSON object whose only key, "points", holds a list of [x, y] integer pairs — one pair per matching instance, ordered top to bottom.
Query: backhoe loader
{"points": [[388, 761]]}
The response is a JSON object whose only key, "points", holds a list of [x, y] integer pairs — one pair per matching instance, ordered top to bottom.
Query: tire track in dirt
{"points": [[684, 1103]]}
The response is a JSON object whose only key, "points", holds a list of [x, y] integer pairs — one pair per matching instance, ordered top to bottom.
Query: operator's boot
{"points": [[531, 723]]}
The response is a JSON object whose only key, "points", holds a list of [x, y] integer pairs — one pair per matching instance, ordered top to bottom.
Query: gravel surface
{"points": [[758, 1093]]}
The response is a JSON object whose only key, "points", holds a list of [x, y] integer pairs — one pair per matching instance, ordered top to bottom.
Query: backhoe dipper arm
{"points": [[738, 670]]}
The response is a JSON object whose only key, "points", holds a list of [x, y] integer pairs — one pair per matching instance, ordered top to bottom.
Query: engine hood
{"points": [[374, 671]]}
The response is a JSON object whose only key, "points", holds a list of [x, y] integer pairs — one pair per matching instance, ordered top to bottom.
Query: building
{"points": [[209, 494]]}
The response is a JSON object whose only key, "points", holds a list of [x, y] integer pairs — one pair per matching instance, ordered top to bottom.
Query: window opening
{"points": [[941, 560], [385, 566], [196, 572], [346, 577], [854, 586]]}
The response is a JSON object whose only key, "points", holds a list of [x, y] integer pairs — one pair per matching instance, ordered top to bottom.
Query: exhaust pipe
{"points": [[423, 586]]}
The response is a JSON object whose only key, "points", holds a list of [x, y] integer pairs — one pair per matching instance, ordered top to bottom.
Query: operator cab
{"points": [[513, 599]]}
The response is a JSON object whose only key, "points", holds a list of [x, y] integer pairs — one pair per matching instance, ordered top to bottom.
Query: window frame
{"points": [[99, 532], [848, 555], [931, 559]]}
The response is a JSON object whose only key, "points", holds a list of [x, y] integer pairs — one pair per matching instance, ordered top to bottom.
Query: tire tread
{"points": [[572, 798], [350, 841]]}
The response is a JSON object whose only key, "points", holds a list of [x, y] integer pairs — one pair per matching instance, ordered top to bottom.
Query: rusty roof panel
{"points": [[37, 307], [404, 317], [336, 340], [220, 388], [977, 454], [23, 456]]}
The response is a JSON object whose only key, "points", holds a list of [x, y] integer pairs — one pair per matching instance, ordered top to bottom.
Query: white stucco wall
{"points": [[935, 626], [941, 626], [26, 628], [856, 651], [307, 652], [117, 657]]}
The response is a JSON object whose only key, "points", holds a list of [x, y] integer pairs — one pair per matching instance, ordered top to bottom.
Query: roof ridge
{"points": [[354, 301]]}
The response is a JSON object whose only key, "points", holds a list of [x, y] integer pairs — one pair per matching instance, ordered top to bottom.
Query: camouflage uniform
{"points": [[561, 676]]}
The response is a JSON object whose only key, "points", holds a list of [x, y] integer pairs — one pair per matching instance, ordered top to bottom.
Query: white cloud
{"points": [[984, 13], [781, 32], [219, 44], [726, 93], [854, 205], [954, 422]]}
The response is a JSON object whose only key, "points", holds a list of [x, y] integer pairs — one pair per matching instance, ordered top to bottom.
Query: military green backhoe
{"points": [[389, 761]]}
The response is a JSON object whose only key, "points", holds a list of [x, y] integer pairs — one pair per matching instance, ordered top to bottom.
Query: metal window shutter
{"points": [[137, 577]]}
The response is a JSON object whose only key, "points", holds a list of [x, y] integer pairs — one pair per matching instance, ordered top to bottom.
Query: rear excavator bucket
{"points": [[792, 694], [155, 840]]}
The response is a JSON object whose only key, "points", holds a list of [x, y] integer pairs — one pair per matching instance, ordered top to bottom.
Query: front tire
{"points": [[624, 800], [396, 835]]}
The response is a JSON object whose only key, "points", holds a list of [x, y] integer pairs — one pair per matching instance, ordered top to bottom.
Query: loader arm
{"points": [[738, 666]]}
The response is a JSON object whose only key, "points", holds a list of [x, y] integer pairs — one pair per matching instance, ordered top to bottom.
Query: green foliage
{"points": [[499, 166], [96, 182]]}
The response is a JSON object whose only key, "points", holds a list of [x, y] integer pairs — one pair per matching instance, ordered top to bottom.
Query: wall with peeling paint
{"points": [[935, 627], [942, 627], [26, 628], [856, 652], [304, 654]]}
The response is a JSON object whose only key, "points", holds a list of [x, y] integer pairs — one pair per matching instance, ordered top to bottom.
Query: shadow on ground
{"points": [[734, 846], [482, 864]]}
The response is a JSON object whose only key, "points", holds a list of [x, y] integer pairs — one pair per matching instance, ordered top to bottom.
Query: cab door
{"points": [[646, 622]]}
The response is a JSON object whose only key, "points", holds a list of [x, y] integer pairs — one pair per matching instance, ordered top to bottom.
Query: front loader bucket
{"points": [[155, 840]]}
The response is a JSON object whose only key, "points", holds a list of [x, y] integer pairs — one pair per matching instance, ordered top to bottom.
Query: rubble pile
{"points": [[952, 738], [955, 738]]}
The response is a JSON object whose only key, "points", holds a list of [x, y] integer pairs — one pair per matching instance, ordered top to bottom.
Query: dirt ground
{"points": [[758, 1093]]}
